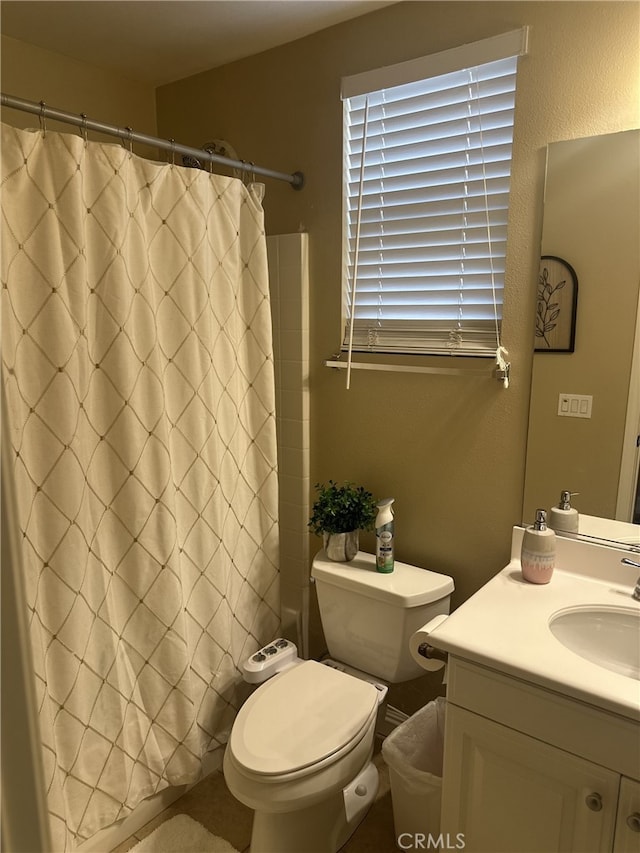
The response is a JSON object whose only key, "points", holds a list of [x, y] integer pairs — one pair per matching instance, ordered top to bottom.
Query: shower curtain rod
{"points": [[130, 136]]}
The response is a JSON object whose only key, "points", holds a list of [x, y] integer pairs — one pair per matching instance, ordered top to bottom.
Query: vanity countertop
{"points": [[505, 625]]}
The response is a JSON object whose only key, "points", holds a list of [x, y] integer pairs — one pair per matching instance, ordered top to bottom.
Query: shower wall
{"points": [[289, 286]]}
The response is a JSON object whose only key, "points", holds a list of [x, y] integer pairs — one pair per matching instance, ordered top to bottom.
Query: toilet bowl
{"points": [[300, 749], [300, 755]]}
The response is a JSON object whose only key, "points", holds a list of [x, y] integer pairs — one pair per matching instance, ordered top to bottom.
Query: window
{"points": [[426, 204]]}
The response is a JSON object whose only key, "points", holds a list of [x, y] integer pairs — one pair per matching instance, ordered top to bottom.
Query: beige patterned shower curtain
{"points": [[138, 369]]}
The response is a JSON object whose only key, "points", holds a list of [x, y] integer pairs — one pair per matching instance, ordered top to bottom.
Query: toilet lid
{"points": [[300, 717]]}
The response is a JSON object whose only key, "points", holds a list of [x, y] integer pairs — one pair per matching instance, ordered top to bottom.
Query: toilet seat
{"points": [[301, 720]]}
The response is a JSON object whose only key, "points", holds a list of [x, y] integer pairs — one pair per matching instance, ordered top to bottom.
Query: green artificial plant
{"points": [[341, 509]]}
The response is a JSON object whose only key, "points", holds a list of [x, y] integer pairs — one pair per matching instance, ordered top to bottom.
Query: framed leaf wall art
{"points": [[557, 300]]}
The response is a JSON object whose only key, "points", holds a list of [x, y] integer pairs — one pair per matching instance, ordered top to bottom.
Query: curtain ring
{"points": [[41, 118], [83, 129], [130, 138], [210, 149], [173, 151]]}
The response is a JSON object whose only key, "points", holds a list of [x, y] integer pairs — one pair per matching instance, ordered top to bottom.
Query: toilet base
{"points": [[322, 828]]}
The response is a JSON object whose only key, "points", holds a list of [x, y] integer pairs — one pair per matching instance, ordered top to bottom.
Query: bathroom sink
{"points": [[605, 635]]}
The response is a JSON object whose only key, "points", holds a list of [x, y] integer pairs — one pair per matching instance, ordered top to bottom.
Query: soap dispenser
{"points": [[564, 517], [538, 555]]}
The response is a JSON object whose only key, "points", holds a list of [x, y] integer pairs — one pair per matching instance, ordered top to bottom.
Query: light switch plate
{"points": [[575, 405]]}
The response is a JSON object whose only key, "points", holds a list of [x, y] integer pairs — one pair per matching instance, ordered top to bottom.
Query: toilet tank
{"points": [[368, 617]]}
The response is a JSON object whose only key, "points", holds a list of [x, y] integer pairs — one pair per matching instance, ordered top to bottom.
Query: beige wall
{"points": [[34, 74], [450, 450]]}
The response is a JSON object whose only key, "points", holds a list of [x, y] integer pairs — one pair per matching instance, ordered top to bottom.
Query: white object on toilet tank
{"points": [[368, 618]]}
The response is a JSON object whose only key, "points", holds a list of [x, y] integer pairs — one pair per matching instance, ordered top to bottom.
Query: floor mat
{"points": [[182, 834]]}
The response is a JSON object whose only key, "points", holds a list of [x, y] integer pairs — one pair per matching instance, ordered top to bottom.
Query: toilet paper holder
{"points": [[431, 653]]}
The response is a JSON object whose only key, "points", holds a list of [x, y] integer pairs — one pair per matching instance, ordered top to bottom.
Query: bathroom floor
{"points": [[211, 804]]}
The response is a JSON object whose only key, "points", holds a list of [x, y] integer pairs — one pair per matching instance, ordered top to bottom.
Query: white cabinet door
{"points": [[510, 793], [627, 838]]}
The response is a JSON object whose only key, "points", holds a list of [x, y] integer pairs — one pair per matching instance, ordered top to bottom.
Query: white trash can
{"points": [[414, 754]]}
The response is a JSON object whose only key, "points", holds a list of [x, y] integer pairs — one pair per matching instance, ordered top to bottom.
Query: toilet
{"points": [[300, 749]]}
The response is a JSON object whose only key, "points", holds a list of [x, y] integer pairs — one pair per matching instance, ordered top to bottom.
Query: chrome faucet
{"points": [[636, 592]]}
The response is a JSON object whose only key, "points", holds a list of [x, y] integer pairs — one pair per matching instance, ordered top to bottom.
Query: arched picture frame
{"points": [[557, 300]]}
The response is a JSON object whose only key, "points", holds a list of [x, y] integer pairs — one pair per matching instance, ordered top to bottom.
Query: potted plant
{"points": [[339, 513]]}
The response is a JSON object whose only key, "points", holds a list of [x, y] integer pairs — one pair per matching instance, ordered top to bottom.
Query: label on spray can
{"points": [[384, 548]]}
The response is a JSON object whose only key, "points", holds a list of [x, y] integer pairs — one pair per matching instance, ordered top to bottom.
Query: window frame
{"points": [[505, 46]]}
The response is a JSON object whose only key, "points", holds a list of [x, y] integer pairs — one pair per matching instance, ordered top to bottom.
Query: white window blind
{"points": [[427, 211]]}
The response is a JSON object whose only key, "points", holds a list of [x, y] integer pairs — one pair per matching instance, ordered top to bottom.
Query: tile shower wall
{"points": [[289, 285]]}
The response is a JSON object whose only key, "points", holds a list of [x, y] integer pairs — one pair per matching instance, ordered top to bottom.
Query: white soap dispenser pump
{"points": [[564, 517], [538, 557]]}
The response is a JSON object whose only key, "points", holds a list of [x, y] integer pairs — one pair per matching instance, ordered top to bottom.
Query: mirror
{"points": [[591, 222]]}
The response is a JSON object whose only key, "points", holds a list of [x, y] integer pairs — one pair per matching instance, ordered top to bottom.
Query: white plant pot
{"points": [[341, 547]]}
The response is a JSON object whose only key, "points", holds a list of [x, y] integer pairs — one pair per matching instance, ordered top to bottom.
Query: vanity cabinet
{"points": [[530, 771], [517, 794], [627, 837]]}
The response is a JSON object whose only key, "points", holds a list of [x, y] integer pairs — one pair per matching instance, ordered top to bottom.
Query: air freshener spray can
{"points": [[384, 536]]}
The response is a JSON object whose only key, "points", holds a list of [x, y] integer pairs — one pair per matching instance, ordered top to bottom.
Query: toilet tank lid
{"points": [[406, 586]]}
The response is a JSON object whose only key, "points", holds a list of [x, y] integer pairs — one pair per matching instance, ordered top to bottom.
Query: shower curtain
{"points": [[138, 369]]}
